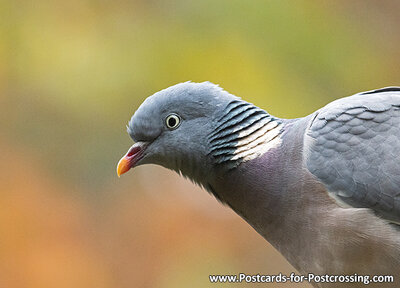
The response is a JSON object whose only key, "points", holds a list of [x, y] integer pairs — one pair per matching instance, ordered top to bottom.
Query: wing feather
{"points": [[352, 145]]}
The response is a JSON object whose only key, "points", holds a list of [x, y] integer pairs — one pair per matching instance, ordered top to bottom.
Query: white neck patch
{"points": [[258, 143]]}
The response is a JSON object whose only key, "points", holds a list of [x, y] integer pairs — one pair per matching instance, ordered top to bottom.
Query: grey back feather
{"points": [[353, 146]]}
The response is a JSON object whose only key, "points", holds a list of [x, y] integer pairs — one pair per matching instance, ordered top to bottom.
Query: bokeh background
{"points": [[72, 73]]}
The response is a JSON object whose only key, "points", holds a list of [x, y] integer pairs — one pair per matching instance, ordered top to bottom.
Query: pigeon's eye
{"points": [[172, 121]]}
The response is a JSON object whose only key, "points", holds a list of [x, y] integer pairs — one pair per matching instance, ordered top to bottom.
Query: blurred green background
{"points": [[73, 72]]}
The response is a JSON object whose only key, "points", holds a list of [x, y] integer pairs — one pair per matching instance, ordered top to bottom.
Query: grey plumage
{"points": [[353, 146], [323, 189]]}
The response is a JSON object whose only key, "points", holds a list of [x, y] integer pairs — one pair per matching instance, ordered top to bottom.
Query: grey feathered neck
{"points": [[243, 132]]}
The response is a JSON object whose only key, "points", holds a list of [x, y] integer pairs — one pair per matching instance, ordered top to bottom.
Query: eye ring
{"points": [[172, 121]]}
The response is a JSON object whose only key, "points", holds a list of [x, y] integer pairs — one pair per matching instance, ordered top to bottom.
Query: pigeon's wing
{"points": [[352, 145]]}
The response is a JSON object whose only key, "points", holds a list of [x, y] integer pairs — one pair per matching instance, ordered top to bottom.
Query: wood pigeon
{"points": [[324, 189]]}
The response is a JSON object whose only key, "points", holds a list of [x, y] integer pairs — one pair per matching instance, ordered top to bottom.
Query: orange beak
{"points": [[135, 153]]}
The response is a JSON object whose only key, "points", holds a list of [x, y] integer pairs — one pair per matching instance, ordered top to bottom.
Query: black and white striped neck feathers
{"points": [[242, 133]]}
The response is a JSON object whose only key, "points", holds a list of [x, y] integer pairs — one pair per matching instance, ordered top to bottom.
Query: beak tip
{"points": [[130, 159], [123, 166]]}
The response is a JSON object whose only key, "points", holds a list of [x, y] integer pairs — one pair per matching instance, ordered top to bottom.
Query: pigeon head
{"points": [[172, 128]]}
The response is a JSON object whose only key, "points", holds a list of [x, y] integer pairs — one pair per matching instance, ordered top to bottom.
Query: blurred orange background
{"points": [[73, 72]]}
